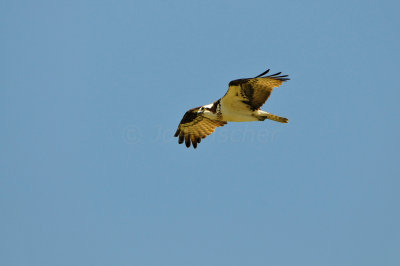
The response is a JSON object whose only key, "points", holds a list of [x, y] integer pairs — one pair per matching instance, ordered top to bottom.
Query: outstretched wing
{"points": [[252, 93], [194, 127]]}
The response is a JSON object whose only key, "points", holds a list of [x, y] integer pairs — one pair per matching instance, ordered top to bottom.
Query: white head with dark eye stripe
{"points": [[204, 108], [201, 110], [206, 111]]}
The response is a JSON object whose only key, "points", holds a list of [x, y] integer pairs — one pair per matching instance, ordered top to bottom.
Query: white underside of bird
{"points": [[230, 113]]}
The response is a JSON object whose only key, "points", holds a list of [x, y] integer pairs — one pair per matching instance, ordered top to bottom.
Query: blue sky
{"points": [[91, 93]]}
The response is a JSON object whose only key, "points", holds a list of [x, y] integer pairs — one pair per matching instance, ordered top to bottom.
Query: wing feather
{"points": [[252, 93], [193, 127]]}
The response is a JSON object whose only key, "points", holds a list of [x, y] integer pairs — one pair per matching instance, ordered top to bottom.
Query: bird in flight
{"points": [[241, 103]]}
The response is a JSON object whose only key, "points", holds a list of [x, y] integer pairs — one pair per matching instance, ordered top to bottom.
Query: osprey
{"points": [[241, 103]]}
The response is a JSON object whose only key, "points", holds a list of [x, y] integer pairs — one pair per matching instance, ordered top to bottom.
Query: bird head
{"points": [[201, 110]]}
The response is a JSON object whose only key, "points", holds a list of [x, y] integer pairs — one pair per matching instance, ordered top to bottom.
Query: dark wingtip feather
{"points": [[262, 74], [275, 76], [278, 76], [177, 133], [181, 139], [187, 141], [194, 143]]}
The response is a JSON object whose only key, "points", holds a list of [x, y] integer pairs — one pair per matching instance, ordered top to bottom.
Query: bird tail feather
{"points": [[274, 118]]}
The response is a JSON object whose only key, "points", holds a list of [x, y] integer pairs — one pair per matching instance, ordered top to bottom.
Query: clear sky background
{"points": [[91, 93]]}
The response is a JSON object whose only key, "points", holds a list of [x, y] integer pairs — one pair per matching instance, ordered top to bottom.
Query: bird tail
{"points": [[273, 117]]}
